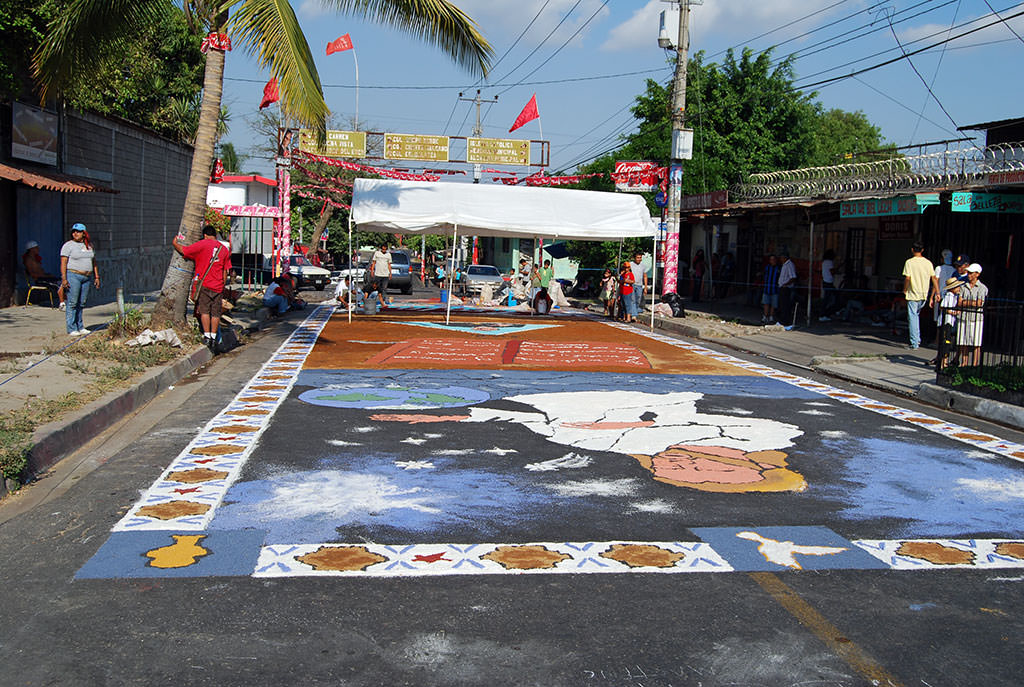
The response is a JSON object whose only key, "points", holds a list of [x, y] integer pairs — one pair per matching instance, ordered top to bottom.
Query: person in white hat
{"points": [[34, 272], [971, 322]]}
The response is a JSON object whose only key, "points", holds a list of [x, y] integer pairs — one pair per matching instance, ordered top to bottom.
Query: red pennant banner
{"points": [[216, 41], [339, 44], [270, 93], [528, 114], [379, 171], [217, 175], [332, 203]]}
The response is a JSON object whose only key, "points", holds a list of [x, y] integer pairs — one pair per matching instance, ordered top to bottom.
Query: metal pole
{"points": [[678, 124], [351, 270], [810, 277], [451, 278], [654, 278]]}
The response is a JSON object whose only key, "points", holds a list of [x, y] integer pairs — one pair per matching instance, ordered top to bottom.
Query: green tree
{"points": [[87, 31], [839, 136], [230, 158]]}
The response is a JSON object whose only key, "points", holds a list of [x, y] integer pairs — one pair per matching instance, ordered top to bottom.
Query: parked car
{"points": [[304, 273], [358, 273], [401, 275], [479, 275]]}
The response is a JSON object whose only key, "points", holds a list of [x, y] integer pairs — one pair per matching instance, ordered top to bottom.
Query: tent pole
{"points": [[351, 271], [451, 277], [654, 278]]}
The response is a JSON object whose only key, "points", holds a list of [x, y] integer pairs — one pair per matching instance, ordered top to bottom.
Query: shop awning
{"points": [[51, 181]]}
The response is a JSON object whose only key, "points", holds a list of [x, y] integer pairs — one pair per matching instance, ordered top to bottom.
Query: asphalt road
{"points": [[599, 502]]}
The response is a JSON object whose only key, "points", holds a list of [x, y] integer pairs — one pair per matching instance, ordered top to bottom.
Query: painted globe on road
{"points": [[394, 398]]}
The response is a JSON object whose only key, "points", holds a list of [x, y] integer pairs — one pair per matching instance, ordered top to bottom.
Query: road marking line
{"points": [[855, 657]]}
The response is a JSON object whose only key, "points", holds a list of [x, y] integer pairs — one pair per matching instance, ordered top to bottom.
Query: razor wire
{"points": [[958, 167]]}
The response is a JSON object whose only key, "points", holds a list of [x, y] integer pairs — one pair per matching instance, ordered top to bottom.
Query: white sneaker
{"points": [[63, 306], [77, 332], [83, 332]]}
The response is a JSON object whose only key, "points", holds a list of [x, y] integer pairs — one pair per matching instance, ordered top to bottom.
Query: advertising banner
{"points": [[33, 134], [635, 176]]}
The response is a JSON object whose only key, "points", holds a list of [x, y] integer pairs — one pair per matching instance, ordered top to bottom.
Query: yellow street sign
{"points": [[339, 143], [415, 147], [501, 151]]}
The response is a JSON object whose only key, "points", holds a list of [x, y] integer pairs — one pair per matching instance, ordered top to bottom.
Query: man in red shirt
{"points": [[213, 261]]}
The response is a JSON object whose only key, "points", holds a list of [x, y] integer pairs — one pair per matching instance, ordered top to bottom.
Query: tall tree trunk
{"points": [[319, 227], [170, 308]]}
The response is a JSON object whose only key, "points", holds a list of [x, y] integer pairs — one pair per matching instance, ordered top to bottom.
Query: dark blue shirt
{"points": [[771, 279]]}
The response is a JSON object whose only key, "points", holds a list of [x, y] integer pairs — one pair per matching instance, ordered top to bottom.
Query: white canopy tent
{"points": [[417, 207]]}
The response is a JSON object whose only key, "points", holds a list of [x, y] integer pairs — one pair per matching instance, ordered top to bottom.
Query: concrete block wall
{"points": [[133, 228]]}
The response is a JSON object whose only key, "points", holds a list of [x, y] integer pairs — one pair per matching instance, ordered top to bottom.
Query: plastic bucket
{"points": [[444, 295], [370, 306]]}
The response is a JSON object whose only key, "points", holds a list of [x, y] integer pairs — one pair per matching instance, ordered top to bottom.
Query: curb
{"points": [[975, 406], [53, 441]]}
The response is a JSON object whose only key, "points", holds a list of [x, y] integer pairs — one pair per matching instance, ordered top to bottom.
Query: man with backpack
{"points": [[212, 260]]}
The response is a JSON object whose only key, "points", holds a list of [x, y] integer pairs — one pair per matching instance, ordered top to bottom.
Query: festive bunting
{"points": [[216, 41], [339, 44], [528, 114], [379, 171], [328, 201]]}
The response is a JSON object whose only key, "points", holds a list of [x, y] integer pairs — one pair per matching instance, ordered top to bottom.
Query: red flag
{"points": [[341, 44], [270, 94], [528, 114], [217, 175]]}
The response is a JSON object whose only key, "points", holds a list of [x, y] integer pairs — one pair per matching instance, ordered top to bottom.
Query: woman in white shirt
{"points": [[77, 271]]}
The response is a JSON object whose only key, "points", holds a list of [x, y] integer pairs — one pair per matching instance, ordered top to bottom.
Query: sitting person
{"points": [[34, 272], [276, 296]]}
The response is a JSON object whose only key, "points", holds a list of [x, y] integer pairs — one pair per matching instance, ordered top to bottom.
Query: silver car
{"points": [[479, 275]]}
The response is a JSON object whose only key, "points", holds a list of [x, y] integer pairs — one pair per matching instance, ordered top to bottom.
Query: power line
{"points": [[1004, 22], [546, 38], [567, 41], [935, 75], [573, 79], [834, 79]]}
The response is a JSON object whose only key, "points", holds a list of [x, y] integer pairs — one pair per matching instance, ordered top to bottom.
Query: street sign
{"points": [[339, 143], [415, 147], [499, 151], [986, 202]]}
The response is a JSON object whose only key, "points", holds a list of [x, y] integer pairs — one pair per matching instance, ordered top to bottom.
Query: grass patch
{"points": [[1001, 378]]}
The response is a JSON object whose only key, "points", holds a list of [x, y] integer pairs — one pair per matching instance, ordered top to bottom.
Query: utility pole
{"points": [[478, 130], [681, 141]]}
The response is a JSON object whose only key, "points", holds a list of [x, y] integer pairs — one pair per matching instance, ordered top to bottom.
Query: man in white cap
{"points": [[33, 263]]}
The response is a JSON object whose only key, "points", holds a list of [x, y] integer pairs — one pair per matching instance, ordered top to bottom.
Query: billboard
{"points": [[33, 134], [637, 176]]}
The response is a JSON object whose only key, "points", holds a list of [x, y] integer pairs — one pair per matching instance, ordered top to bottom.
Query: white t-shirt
{"points": [[79, 257], [381, 264], [826, 271], [787, 273], [272, 290]]}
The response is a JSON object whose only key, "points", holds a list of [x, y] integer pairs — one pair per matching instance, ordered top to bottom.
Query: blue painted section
{"points": [[484, 328], [501, 383], [395, 397], [938, 490], [373, 491], [743, 554], [124, 555]]}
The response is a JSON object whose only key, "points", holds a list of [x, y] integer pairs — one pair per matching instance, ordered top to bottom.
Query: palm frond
{"points": [[438, 22], [86, 32], [270, 32]]}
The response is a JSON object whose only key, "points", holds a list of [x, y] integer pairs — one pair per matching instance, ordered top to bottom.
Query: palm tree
{"points": [[90, 30]]}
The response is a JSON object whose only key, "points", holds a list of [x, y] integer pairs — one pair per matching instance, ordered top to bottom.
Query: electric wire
{"points": [[1004, 22], [543, 42], [561, 47], [935, 75]]}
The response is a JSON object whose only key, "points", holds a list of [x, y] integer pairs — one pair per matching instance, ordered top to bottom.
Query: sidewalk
{"points": [[856, 352]]}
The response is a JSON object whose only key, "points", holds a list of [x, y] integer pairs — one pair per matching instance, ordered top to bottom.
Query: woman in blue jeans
{"points": [[77, 270]]}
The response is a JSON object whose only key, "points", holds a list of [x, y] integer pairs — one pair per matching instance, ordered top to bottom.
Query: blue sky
{"points": [[587, 71]]}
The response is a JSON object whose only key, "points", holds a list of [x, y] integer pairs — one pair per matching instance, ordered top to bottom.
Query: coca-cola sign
{"points": [[638, 176]]}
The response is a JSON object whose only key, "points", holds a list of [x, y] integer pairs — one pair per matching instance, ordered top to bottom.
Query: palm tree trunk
{"points": [[170, 308]]}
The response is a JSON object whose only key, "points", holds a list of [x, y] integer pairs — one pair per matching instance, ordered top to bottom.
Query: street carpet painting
{"points": [[399, 445]]}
